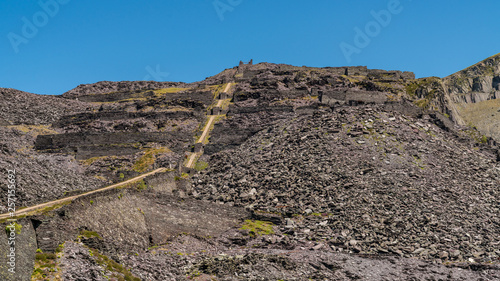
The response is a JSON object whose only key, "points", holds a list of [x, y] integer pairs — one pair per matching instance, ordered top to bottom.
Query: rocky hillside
{"points": [[105, 87], [30, 109], [25, 116], [87, 139], [337, 173], [366, 179]]}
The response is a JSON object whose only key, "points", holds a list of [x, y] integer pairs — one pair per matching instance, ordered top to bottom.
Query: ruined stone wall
{"points": [[390, 76], [202, 96], [352, 96], [252, 109], [123, 115], [80, 139], [87, 145]]}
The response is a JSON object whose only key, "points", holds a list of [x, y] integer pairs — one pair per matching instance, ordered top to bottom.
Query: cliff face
{"points": [[476, 83], [475, 92], [471, 97]]}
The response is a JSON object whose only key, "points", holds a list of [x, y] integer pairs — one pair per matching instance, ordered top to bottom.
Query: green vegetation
{"points": [[353, 79], [460, 81], [385, 86], [429, 87], [412, 88], [218, 89], [170, 90], [142, 95], [422, 103], [34, 130], [473, 133], [483, 139], [148, 159], [90, 161], [418, 162], [200, 165], [121, 176], [182, 176], [141, 185], [45, 210], [8, 218], [17, 228], [257, 228], [89, 234], [153, 247], [60, 248], [44, 257], [45, 267], [115, 269], [195, 273], [38, 274]]}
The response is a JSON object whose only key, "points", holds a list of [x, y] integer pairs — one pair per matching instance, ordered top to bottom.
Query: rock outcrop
{"points": [[470, 97]]}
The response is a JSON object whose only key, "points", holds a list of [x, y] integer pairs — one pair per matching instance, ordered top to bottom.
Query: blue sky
{"points": [[51, 46]]}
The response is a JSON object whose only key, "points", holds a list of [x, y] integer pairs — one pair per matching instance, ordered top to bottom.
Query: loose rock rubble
{"points": [[366, 181], [201, 259]]}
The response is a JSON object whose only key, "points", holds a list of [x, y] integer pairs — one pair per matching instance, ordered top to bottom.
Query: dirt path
{"points": [[227, 88], [206, 130], [191, 160], [67, 199], [63, 200]]}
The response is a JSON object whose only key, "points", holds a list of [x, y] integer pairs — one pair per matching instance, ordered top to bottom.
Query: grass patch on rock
{"points": [[170, 90], [34, 130], [147, 160], [200, 165], [17, 228], [256, 228], [89, 234], [45, 267], [115, 270]]}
